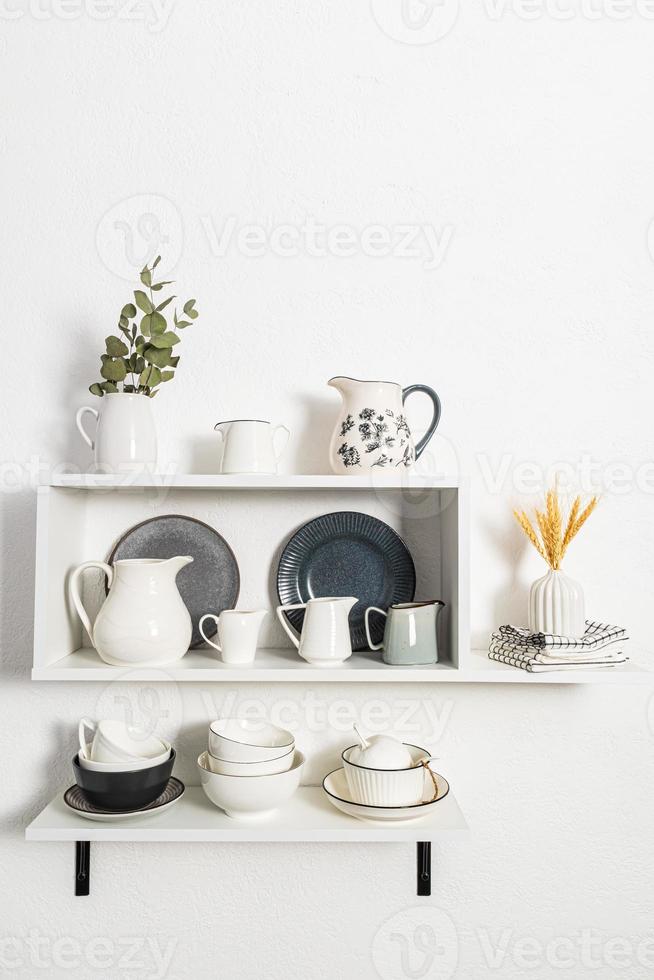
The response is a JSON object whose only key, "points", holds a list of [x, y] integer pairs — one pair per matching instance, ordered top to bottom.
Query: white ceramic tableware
{"points": [[372, 428], [125, 434], [251, 445], [556, 605], [143, 620], [238, 633], [325, 638], [237, 740], [115, 742], [131, 765], [224, 768], [387, 787], [339, 795], [254, 796]]}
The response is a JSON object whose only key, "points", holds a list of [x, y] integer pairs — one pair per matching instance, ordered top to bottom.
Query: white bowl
{"points": [[237, 740], [128, 765], [225, 768], [387, 787], [250, 796]]}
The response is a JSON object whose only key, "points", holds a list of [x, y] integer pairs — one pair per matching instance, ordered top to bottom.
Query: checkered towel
{"points": [[600, 646]]}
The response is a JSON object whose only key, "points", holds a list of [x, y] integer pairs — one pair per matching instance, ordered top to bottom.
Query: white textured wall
{"points": [[524, 145]]}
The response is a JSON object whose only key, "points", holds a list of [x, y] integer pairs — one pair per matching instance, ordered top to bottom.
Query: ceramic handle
{"points": [[436, 417], [78, 420], [278, 428], [74, 590], [285, 623], [206, 639], [373, 646], [85, 724]]}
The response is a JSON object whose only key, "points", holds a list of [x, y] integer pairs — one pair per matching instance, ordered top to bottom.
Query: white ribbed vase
{"points": [[556, 605]]}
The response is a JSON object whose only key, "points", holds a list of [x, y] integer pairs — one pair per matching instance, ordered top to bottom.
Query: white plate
{"points": [[338, 793], [83, 808]]}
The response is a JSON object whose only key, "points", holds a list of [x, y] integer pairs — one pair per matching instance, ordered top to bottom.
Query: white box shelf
{"points": [[80, 517]]}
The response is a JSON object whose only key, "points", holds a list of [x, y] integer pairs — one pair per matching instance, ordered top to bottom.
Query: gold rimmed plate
{"points": [[338, 793]]}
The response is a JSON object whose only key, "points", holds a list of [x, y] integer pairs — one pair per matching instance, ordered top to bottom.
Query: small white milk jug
{"points": [[325, 639]]}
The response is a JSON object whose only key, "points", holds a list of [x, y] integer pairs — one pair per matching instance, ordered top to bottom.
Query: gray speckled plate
{"points": [[347, 553], [209, 584]]}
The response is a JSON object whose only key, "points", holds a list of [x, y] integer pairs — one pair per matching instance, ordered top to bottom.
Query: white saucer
{"points": [[338, 793]]}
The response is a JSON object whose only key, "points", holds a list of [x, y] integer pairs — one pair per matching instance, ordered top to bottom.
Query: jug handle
{"points": [[436, 417], [78, 420], [278, 428], [74, 591], [285, 623], [206, 639], [373, 646]]}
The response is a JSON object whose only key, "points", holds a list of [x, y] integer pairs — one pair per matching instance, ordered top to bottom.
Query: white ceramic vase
{"points": [[125, 434], [556, 605]]}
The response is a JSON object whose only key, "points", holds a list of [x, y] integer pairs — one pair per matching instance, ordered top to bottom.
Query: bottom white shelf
{"points": [[308, 816]]}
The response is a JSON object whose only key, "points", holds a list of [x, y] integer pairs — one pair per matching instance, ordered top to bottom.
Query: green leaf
{"points": [[156, 262], [146, 278], [160, 285], [142, 301], [165, 303], [188, 309], [129, 310], [123, 321], [153, 323], [182, 324], [134, 332], [126, 333], [168, 339], [140, 344], [116, 347], [157, 356], [173, 361], [140, 365], [113, 370], [167, 375], [150, 377], [109, 387], [96, 389]]}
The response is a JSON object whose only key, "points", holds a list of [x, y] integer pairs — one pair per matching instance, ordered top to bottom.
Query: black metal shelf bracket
{"points": [[82, 867], [424, 867]]}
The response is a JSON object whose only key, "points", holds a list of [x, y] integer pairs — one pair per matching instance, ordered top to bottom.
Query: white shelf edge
{"points": [[283, 481], [284, 666], [308, 816]]}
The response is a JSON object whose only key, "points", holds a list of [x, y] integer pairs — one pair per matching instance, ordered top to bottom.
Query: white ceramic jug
{"points": [[372, 430], [125, 434], [249, 446], [144, 619], [238, 634], [325, 639]]}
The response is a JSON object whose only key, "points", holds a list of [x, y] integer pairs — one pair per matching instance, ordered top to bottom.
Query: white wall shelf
{"points": [[282, 481], [285, 666], [308, 816]]}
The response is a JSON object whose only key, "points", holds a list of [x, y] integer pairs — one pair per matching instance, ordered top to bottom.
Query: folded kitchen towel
{"points": [[596, 636], [600, 646]]}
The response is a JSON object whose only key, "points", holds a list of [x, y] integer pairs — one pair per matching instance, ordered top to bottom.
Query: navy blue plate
{"points": [[346, 553]]}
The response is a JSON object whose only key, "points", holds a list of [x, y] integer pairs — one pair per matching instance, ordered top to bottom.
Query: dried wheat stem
{"points": [[525, 524]]}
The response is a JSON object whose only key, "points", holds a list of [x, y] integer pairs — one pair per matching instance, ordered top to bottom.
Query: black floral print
{"points": [[347, 424], [380, 432], [349, 454]]}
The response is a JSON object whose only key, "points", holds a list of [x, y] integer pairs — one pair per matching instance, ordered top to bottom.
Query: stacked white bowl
{"points": [[249, 769]]}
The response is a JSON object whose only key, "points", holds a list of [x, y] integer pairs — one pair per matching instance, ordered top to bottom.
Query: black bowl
{"points": [[124, 790]]}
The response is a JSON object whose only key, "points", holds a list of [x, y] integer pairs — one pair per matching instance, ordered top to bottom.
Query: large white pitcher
{"points": [[144, 619], [325, 639]]}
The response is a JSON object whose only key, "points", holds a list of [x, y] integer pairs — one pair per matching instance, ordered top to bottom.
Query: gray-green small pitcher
{"points": [[410, 633]]}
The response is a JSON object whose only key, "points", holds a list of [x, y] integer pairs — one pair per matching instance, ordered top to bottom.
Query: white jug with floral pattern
{"points": [[372, 430]]}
